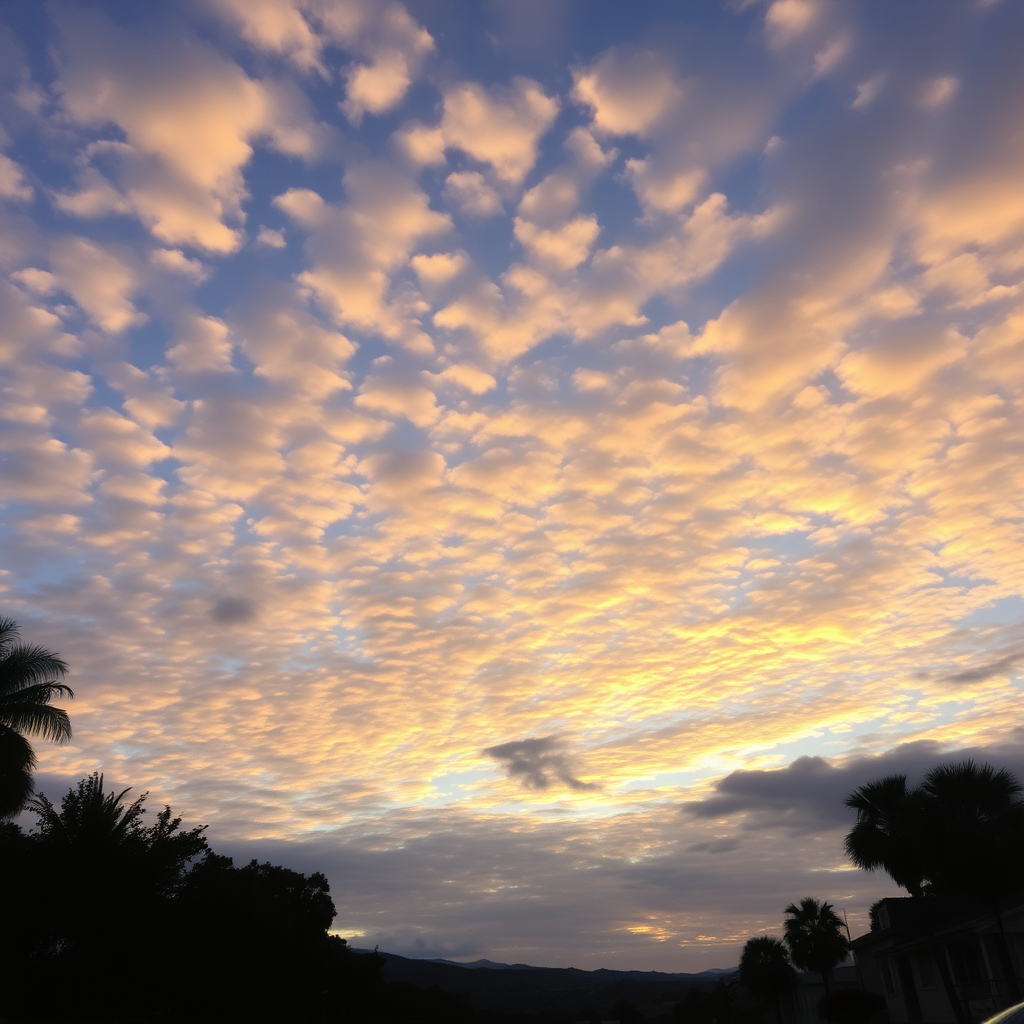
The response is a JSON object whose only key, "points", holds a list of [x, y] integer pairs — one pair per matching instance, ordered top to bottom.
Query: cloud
{"points": [[786, 20], [278, 27], [390, 44], [395, 56], [868, 91], [939, 91], [628, 93], [189, 117], [500, 127], [12, 181], [470, 192], [665, 194], [271, 238], [355, 247], [563, 249], [177, 262], [440, 268], [99, 282], [202, 344], [288, 346], [900, 363], [464, 375], [394, 396], [148, 400], [704, 453], [45, 471], [229, 610], [978, 675], [537, 762], [809, 793]]}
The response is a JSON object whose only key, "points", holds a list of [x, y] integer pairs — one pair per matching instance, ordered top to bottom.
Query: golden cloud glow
{"points": [[397, 468]]}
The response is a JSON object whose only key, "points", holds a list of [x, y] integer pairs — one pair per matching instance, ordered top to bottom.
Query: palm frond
{"points": [[9, 632], [24, 666], [37, 693], [36, 718], [17, 759], [971, 782]]}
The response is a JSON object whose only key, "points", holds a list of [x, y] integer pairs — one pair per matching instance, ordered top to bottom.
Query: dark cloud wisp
{"points": [[229, 610], [537, 762], [809, 794]]}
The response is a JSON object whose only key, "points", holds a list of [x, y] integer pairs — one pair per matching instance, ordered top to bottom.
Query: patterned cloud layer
{"points": [[449, 442]]}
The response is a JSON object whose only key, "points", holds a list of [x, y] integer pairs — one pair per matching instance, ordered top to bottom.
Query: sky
{"points": [[528, 460]]}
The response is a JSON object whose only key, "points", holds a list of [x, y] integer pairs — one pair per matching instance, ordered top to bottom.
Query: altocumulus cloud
{"points": [[637, 395]]}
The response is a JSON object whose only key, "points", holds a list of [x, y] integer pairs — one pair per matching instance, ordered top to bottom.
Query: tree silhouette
{"points": [[28, 683], [975, 827], [976, 830], [94, 832], [889, 832], [961, 833], [112, 875], [95, 886], [814, 935], [766, 970]]}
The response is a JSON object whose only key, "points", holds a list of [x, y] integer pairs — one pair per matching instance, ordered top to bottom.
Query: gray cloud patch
{"points": [[229, 610], [983, 672], [537, 762], [809, 793]]}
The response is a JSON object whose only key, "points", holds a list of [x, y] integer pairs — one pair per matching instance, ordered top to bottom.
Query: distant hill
{"points": [[523, 989]]}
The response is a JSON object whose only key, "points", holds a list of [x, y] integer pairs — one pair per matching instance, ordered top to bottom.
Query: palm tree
{"points": [[28, 683], [976, 827], [889, 831], [960, 834], [814, 935], [766, 970]]}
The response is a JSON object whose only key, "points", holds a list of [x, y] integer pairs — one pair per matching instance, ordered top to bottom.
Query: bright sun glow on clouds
{"points": [[445, 463]]}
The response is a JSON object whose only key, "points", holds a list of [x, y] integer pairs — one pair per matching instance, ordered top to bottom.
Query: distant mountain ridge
{"points": [[493, 966], [522, 988]]}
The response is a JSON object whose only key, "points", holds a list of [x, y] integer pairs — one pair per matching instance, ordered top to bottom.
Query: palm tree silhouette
{"points": [[29, 677], [976, 828], [889, 833], [961, 833], [814, 934], [766, 970]]}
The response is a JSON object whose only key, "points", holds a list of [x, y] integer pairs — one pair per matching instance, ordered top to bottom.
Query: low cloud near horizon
{"points": [[528, 461]]}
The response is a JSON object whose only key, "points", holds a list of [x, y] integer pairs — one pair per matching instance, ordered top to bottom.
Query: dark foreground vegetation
{"points": [[106, 918]]}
